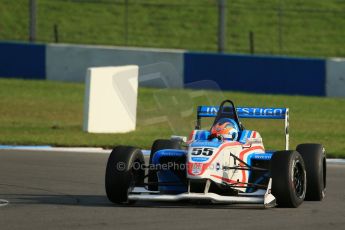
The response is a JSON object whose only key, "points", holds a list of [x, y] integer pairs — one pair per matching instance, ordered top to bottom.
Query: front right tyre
{"points": [[124, 171]]}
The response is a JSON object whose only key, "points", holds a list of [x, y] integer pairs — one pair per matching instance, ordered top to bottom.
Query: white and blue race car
{"points": [[225, 164]]}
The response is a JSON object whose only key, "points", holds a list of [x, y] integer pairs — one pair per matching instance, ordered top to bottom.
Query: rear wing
{"points": [[251, 112]]}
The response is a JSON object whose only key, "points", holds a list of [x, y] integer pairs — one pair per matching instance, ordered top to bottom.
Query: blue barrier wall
{"points": [[22, 60], [260, 74]]}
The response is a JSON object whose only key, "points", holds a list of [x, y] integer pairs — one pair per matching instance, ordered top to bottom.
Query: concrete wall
{"points": [[157, 67], [172, 68], [261, 74], [335, 84]]}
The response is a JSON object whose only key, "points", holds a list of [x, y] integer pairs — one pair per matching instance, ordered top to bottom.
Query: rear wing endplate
{"points": [[251, 112]]}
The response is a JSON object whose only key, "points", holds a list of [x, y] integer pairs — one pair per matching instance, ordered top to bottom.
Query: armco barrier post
{"points": [[32, 20], [221, 25], [111, 99]]}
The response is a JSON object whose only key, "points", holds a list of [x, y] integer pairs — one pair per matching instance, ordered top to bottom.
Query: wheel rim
{"points": [[135, 176], [299, 179]]}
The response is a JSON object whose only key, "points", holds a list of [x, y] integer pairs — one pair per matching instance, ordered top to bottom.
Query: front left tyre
{"points": [[124, 171], [289, 179]]}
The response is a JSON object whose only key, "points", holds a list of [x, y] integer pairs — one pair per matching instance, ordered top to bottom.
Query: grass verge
{"points": [[51, 113]]}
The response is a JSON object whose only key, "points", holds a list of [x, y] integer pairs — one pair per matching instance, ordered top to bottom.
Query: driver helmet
{"points": [[225, 128]]}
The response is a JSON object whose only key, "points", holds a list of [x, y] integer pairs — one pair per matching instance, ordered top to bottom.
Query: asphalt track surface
{"points": [[57, 190]]}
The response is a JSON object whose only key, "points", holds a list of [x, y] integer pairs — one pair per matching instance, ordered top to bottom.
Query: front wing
{"points": [[260, 197]]}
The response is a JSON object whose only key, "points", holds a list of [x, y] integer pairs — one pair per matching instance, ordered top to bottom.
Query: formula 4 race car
{"points": [[226, 164]]}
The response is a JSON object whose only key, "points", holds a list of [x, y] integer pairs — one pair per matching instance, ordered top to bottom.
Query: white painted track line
{"points": [[3, 202]]}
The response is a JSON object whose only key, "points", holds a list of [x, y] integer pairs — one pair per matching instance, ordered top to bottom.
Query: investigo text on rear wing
{"points": [[252, 112]]}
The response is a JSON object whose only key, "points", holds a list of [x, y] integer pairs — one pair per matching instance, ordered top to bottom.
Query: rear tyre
{"points": [[159, 145], [315, 163], [124, 171], [288, 178]]}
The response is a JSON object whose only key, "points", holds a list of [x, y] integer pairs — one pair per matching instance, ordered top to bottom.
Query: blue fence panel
{"points": [[22, 60], [259, 74]]}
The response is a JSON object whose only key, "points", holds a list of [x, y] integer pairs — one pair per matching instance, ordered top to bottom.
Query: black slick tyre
{"points": [[315, 163], [124, 171], [288, 178]]}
